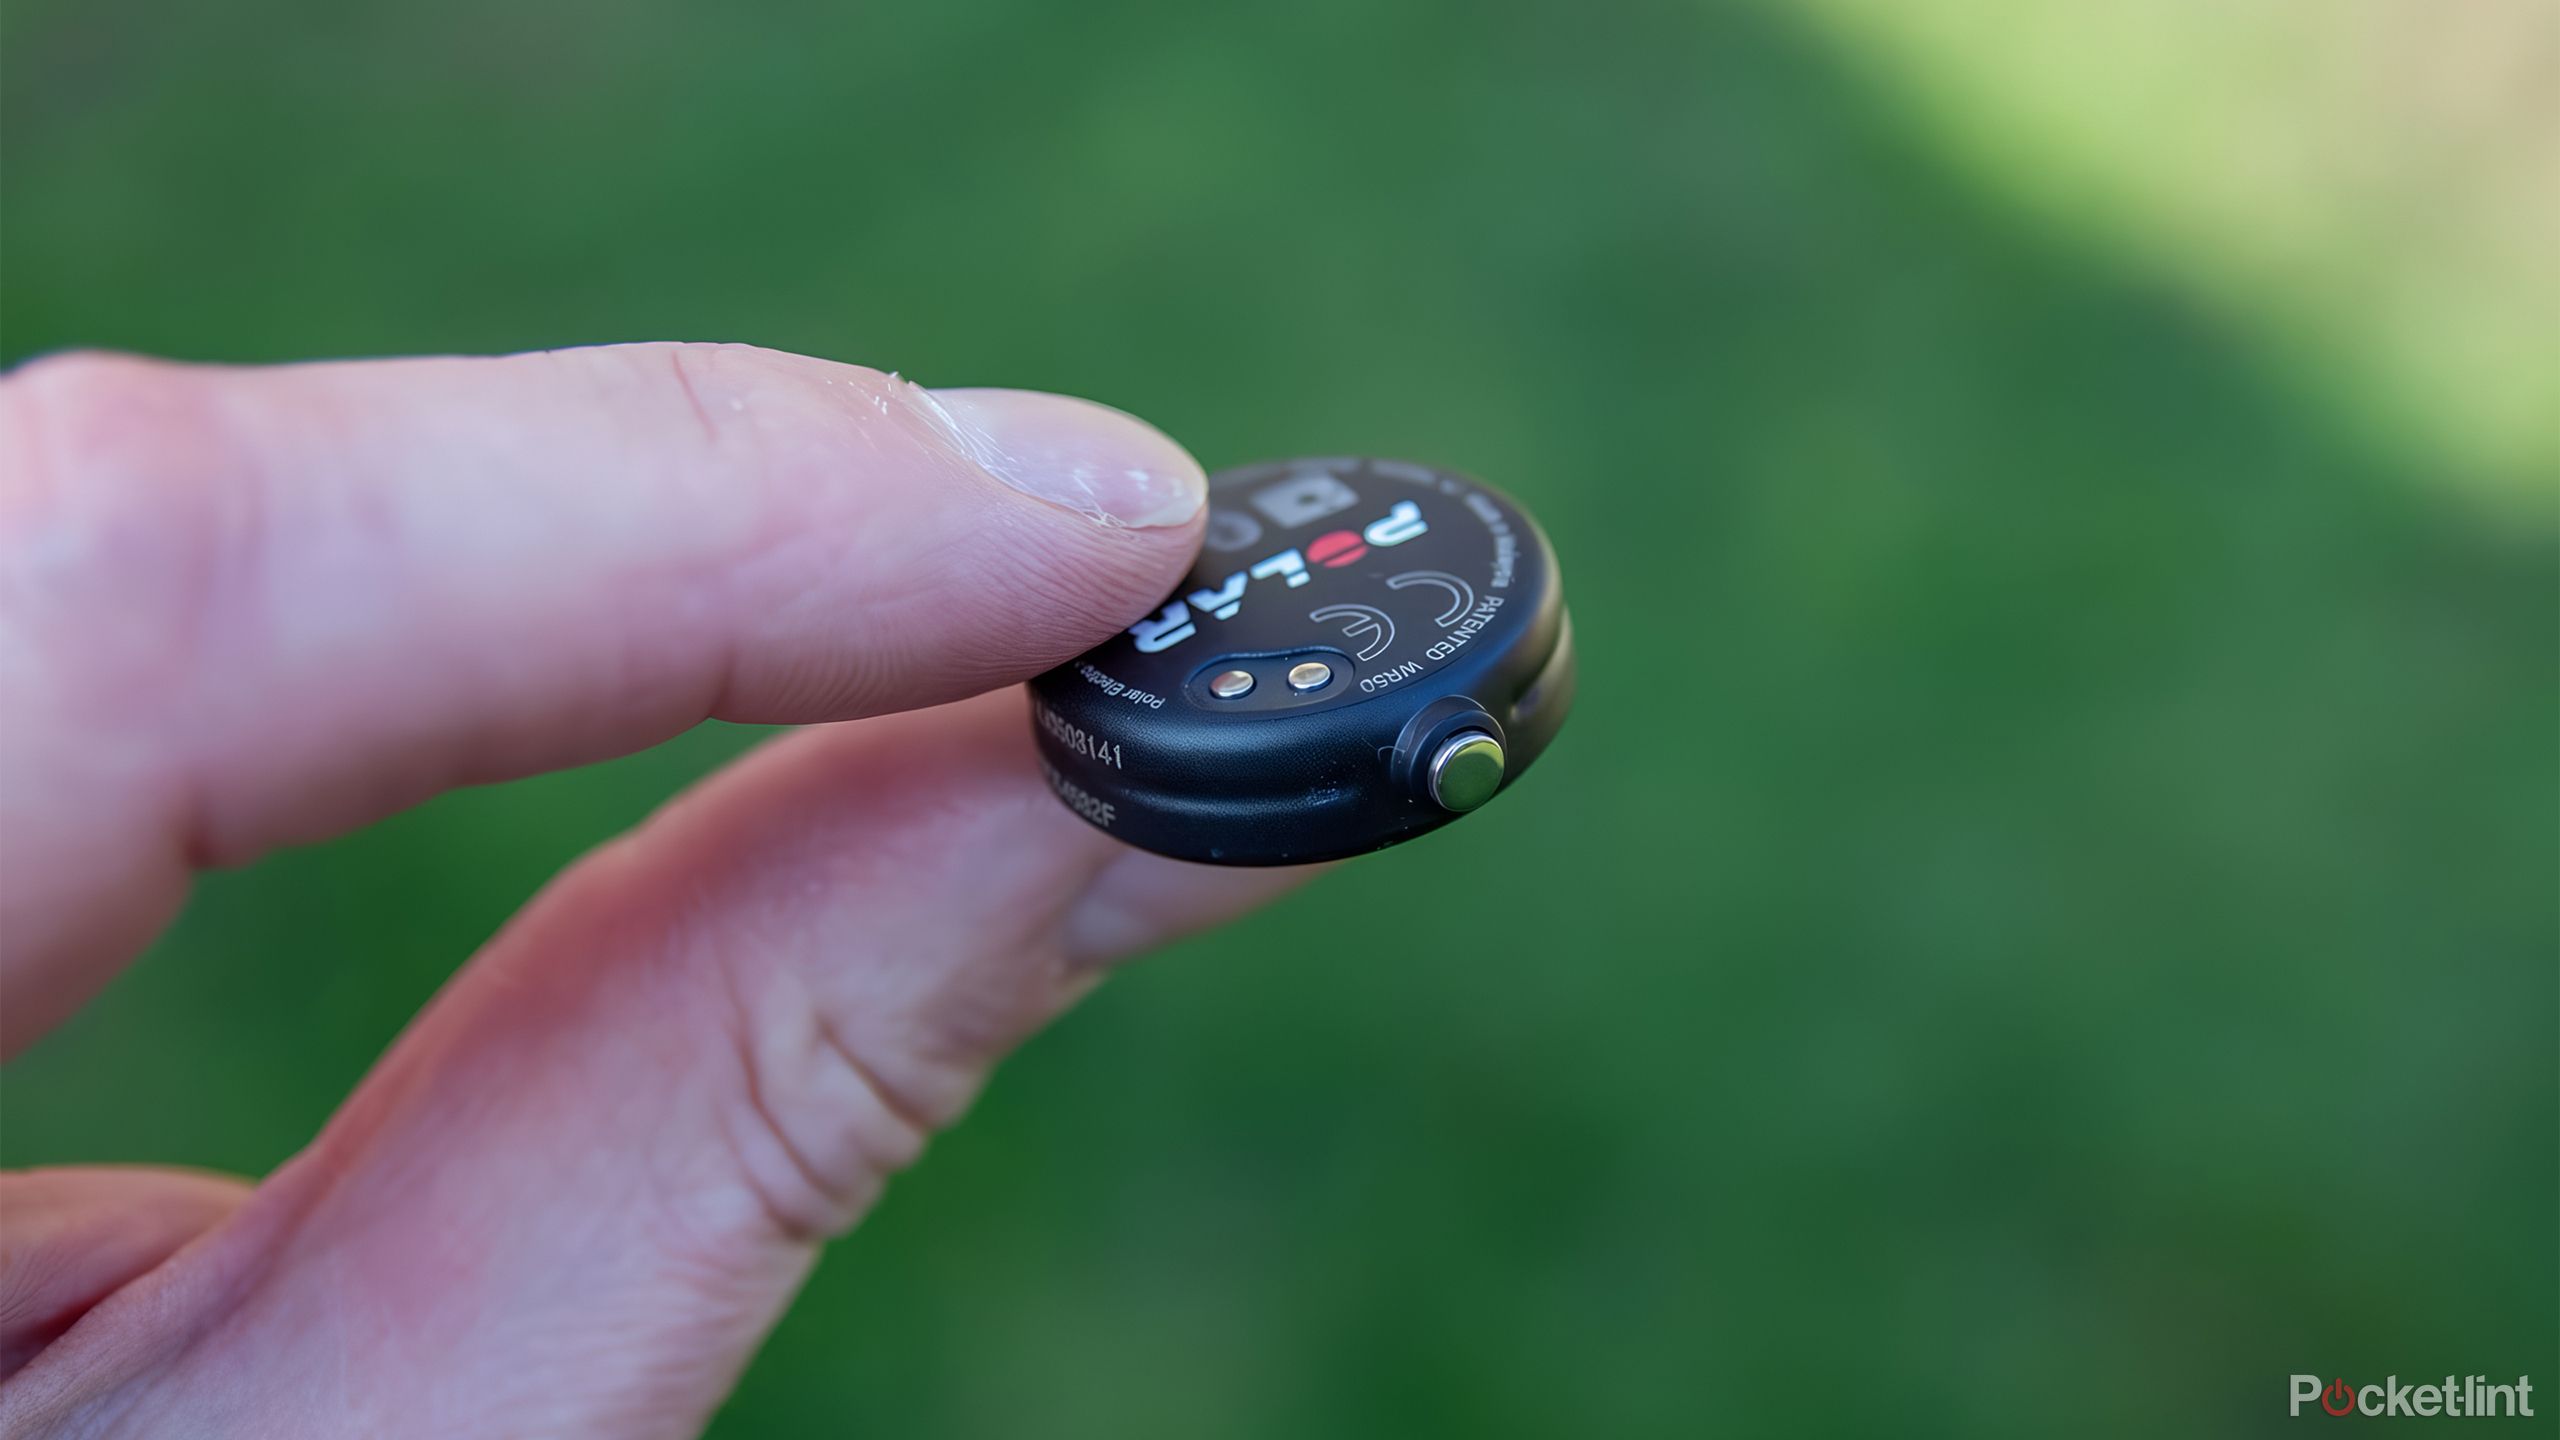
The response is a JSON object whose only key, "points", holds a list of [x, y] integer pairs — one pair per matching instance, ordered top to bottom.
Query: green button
{"points": [[1467, 771]]}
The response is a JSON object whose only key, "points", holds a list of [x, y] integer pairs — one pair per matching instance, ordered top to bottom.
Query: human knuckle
{"points": [[76, 420], [120, 497], [821, 1131]]}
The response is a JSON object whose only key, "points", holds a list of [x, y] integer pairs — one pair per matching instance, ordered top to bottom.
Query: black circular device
{"points": [[1366, 650]]}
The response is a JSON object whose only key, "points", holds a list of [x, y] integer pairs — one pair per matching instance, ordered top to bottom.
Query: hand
{"points": [[249, 608]]}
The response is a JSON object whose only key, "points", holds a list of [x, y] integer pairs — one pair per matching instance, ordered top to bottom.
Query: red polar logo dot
{"points": [[1336, 550], [2339, 1398]]}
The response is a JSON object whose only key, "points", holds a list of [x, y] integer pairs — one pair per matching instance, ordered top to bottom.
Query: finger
{"points": [[241, 607], [578, 1190], [69, 1237]]}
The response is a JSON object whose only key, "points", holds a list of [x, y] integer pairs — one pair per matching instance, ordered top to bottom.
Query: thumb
{"points": [[576, 1193]]}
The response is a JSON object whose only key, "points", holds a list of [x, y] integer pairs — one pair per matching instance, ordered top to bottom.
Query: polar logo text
{"points": [[1179, 619]]}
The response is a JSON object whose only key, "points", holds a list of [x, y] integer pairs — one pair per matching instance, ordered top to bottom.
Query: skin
{"points": [[244, 608]]}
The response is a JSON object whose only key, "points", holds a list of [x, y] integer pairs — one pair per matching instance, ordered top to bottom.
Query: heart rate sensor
{"points": [[1366, 650]]}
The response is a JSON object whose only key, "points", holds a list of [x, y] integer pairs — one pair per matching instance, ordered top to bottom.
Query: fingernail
{"points": [[1111, 468]]}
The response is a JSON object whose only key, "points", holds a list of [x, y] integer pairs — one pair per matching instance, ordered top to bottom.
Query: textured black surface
{"points": [[1433, 599]]}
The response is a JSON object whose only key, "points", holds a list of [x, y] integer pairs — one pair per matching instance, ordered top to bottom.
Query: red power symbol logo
{"points": [[1336, 550], [2338, 1399]]}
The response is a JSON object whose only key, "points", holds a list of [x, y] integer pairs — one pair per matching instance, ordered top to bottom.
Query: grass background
{"points": [[2043, 921]]}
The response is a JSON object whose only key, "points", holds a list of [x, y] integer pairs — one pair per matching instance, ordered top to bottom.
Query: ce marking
{"points": [[1462, 596], [1370, 629]]}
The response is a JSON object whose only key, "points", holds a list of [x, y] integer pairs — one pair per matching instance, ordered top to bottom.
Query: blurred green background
{"points": [[2096, 954]]}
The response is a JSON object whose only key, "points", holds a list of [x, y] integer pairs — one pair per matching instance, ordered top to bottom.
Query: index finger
{"points": [[248, 607]]}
